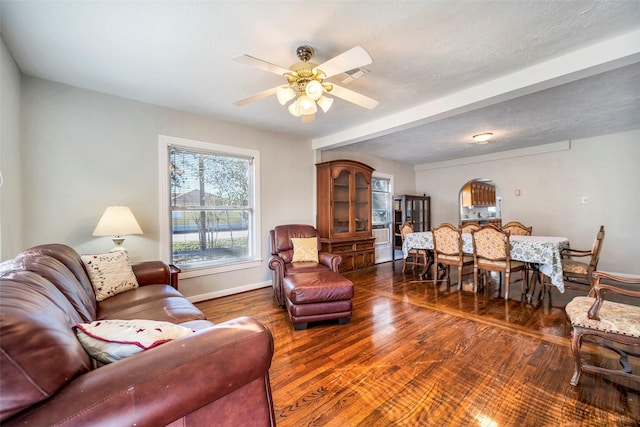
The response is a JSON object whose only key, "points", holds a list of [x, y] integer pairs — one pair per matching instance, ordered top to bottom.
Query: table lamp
{"points": [[117, 221]]}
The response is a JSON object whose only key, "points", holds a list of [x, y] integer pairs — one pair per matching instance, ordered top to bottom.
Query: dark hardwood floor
{"points": [[419, 355]]}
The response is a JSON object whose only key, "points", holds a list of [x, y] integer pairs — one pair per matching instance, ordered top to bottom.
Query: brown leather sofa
{"points": [[282, 254], [218, 375]]}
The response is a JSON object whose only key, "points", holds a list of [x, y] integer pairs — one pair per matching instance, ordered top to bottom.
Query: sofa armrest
{"points": [[330, 260], [152, 273], [165, 383]]}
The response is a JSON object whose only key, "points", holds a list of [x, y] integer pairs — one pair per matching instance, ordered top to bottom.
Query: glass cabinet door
{"points": [[341, 203], [361, 206]]}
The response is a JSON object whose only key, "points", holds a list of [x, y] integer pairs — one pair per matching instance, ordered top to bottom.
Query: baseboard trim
{"points": [[230, 291]]}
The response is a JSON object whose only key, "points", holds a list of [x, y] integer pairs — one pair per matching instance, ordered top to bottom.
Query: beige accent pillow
{"points": [[305, 249], [110, 273], [111, 340]]}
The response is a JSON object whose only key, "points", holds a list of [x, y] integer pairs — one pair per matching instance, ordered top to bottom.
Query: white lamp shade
{"points": [[314, 89], [284, 94], [325, 103], [117, 221]]}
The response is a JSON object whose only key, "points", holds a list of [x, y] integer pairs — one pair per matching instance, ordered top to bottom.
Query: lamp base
{"points": [[118, 244]]}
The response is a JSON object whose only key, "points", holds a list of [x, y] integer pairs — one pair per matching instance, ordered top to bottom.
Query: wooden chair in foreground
{"points": [[516, 228], [447, 250], [491, 252], [416, 256], [581, 272], [610, 322]]}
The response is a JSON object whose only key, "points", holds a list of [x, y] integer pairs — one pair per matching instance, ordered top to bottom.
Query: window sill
{"points": [[205, 271]]}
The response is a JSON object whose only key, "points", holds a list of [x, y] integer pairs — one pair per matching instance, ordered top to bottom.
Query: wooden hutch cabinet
{"points": [[416, 210], [344, 212]]}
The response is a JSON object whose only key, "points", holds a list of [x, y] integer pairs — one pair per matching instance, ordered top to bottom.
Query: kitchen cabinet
{"points": [[476, 193], [416, 210], [344, 212]]}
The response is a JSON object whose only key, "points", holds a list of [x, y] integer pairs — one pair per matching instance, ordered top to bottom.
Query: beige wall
{"points": [[83, 151], [551, 185], [11, 187]]}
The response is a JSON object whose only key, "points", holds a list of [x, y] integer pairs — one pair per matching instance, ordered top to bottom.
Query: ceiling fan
{"points": [[306, 84]]}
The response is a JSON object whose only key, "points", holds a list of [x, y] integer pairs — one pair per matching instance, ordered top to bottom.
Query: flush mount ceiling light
{"points": [[306, 85], [482, 138]]}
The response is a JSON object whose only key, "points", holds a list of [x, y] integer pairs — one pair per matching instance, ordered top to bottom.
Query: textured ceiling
{"points": [[532, 72]]}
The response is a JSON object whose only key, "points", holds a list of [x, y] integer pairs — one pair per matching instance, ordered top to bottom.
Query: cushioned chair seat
{"points": [[570, 266], [615, 318]]}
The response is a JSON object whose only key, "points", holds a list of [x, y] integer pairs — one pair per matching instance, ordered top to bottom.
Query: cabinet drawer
{"points": [[362, 246]]}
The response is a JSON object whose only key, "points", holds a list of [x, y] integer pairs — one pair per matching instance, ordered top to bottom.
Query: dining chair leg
{"points": [[459, 278], [475, 279], [506, 284]]}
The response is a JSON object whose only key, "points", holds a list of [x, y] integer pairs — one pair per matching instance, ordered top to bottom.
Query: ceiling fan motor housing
{"points": [[304, 53]]}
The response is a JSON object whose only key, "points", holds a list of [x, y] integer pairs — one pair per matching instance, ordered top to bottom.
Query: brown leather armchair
{"points": [[282, 254]]}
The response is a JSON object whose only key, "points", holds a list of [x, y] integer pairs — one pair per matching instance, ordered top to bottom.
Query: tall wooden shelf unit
{"points": [[416, 210], [344, 212]]}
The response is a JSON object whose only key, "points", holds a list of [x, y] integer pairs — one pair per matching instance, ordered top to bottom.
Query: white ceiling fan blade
{"points": [[353, 58], [263, 65], [255, 97], [355, 97]]}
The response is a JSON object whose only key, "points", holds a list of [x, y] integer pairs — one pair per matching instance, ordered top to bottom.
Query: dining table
{"points": [[541, 250]]}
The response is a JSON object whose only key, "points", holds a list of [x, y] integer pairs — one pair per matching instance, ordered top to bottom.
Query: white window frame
{"points": [[165, 209]]}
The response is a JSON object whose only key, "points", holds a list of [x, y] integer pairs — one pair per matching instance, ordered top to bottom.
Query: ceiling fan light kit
{"points": [[305, 82]]}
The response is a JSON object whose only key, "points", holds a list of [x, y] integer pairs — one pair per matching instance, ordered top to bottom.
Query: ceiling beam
{"points": [[595, 59]]}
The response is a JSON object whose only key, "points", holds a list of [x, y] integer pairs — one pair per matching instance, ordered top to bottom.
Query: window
{"points": [[210, 196]]}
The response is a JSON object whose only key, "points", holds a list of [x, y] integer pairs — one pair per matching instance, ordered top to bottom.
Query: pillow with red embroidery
{"points": [[110, 273], [111, 340]]}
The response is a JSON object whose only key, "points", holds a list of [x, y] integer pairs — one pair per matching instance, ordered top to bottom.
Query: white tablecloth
{"points": [[543, 250]]}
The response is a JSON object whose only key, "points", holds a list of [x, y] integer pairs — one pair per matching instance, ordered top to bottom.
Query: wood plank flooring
{"points": [[419, 355]]}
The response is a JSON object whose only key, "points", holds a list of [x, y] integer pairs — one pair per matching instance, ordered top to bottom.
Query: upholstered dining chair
{"points": [[468, 228], [516, 228], [447, 250], [491, 252], [415, 256], [580, 272], [609, 322]]}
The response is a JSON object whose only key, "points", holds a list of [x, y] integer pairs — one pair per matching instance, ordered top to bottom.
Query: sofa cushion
{"points": [[305, 249], [110, 273], [64, 279], [153, 302], [111, 340], [40, 353]]}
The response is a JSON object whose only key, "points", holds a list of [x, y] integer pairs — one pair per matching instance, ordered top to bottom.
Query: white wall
{"points": [[83, 151], [604, 169], [11, 187]]}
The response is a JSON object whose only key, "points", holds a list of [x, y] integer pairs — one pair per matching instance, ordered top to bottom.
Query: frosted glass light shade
{"points": [[314, 89], [284, 94], [325, 103], [307, 105], [294, 108], [117, 221]]}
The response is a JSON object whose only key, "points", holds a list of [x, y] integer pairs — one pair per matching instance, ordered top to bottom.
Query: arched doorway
{"points": [[480, 202]]}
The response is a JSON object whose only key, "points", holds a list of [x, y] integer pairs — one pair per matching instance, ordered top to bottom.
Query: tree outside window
{"points": [[211, 207]]}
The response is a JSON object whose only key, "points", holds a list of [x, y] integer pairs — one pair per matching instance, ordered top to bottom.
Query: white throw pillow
{"points": [[110, 273], [111, 340]]}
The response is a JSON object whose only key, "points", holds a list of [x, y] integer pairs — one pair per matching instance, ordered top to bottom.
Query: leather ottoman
{"points": [[313, 297]]}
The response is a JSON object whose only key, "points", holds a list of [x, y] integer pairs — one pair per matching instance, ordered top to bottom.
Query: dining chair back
{"points": [[469, 227], [516, 228], [447, 250], [491, 252], [415, 256], [581, 272]]}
